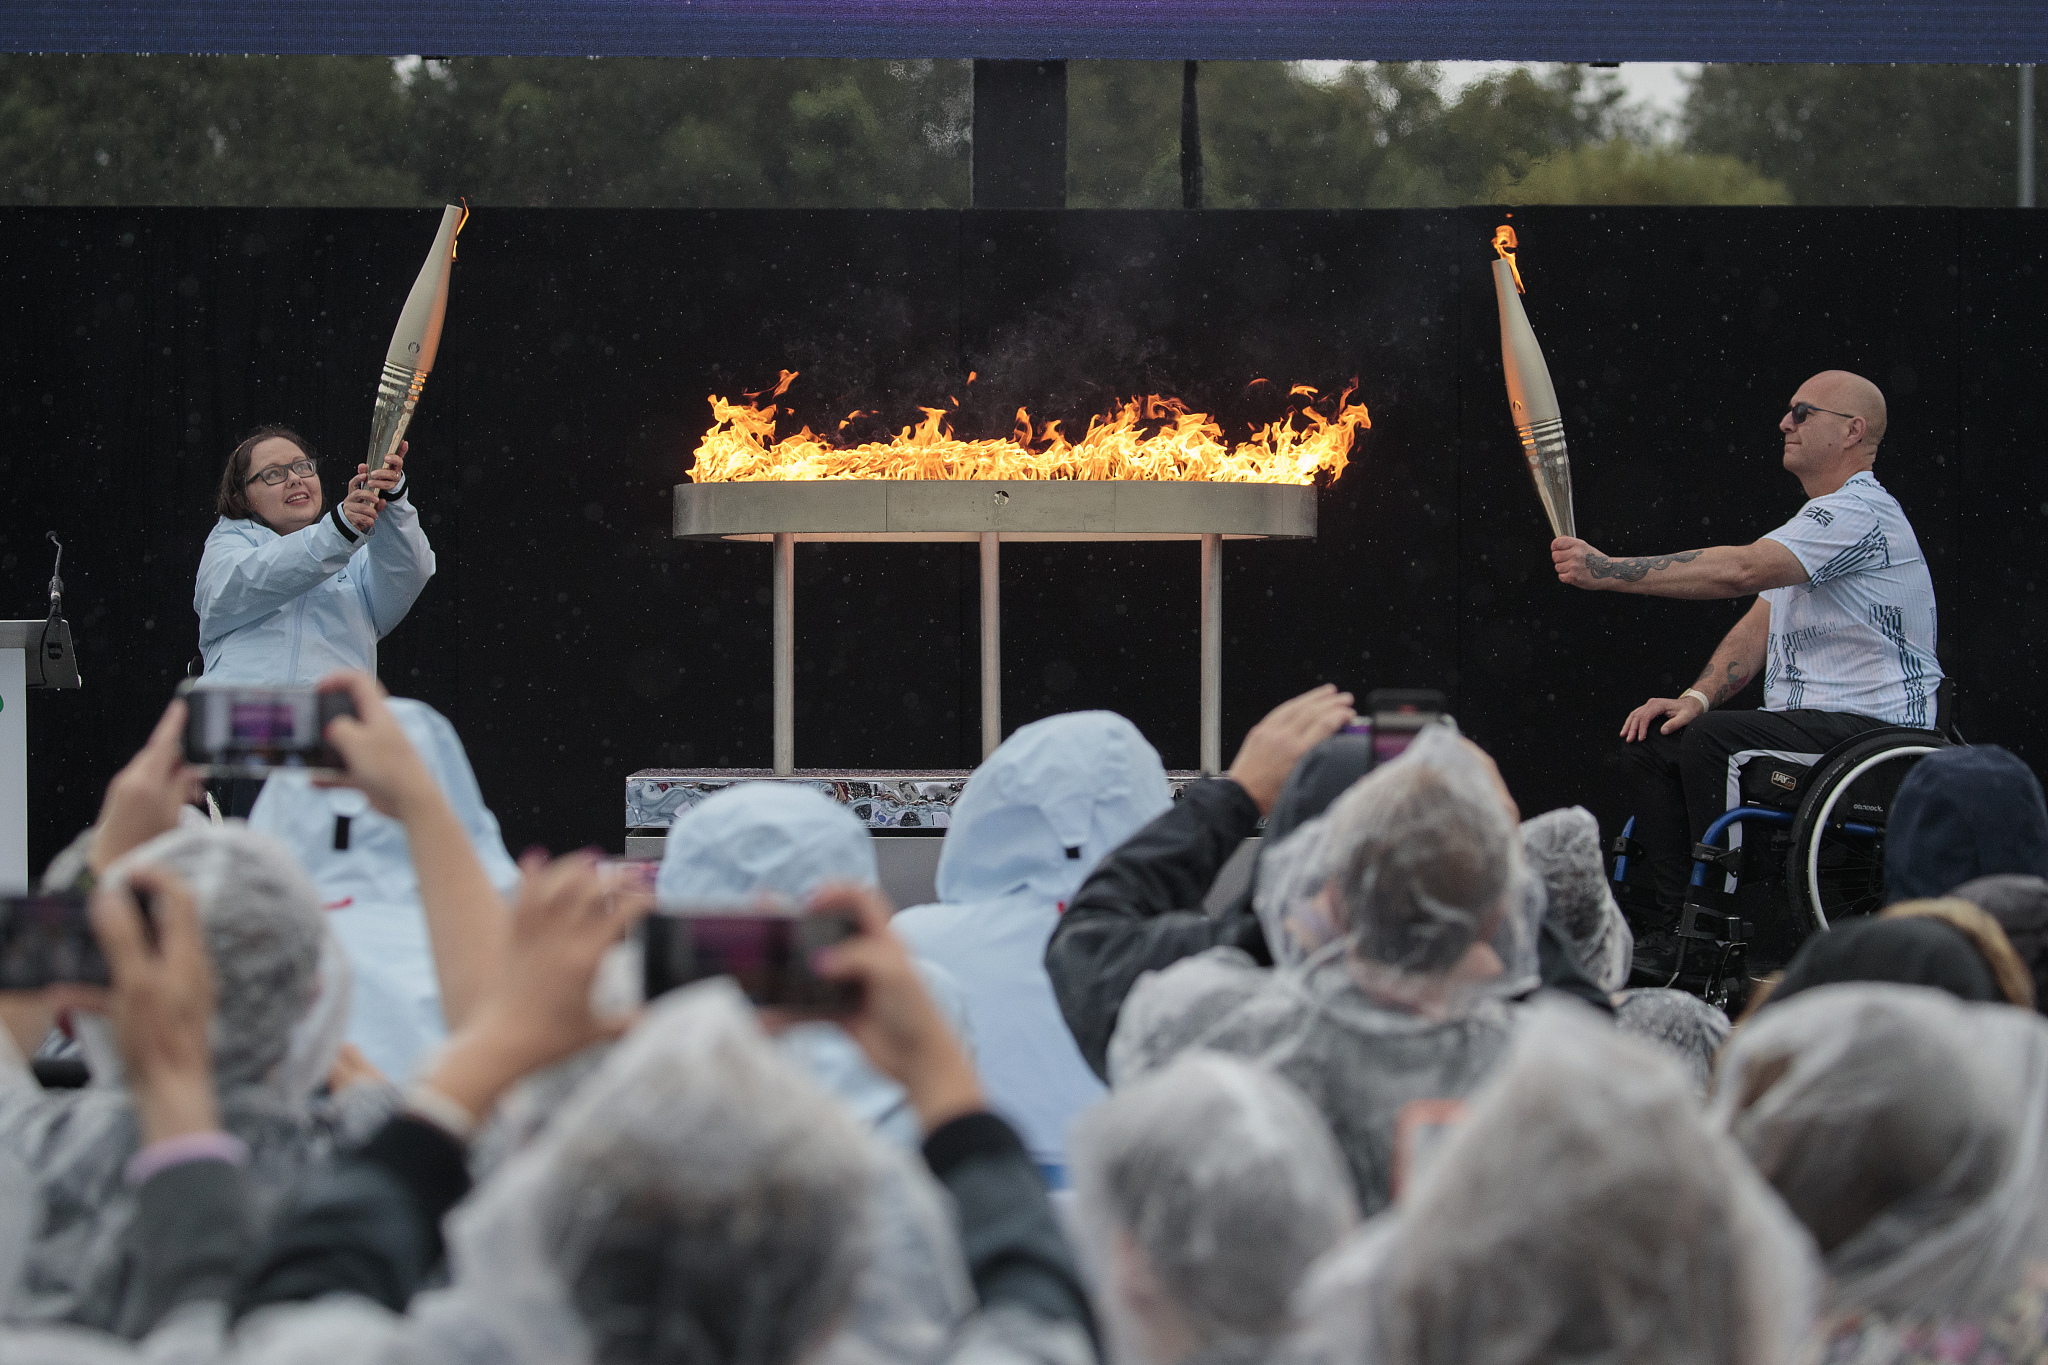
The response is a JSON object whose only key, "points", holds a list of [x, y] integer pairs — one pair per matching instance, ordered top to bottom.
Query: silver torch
{"points": [[414, 342], [1531, 397]]}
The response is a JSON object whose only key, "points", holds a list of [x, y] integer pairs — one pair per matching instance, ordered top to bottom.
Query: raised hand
{"points": [[380, 482], [1288, 731], [381, 762], [145, 797], [161, 1002], [536, 1010], [898, 1026]]}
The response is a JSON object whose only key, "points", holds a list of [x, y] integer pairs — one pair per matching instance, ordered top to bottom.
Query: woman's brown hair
{"points": [[234, 480], [2015, 982]]}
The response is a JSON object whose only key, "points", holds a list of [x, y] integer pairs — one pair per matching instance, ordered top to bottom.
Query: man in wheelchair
{"points": [[1843, 630]]}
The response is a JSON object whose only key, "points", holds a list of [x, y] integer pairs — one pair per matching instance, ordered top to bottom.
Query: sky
{"points": [[1659, 85]]}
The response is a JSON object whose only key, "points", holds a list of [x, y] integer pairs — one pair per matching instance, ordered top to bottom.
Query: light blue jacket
{"points": [[278, 610], [1035, 819], [760, 837], [372, 894]]}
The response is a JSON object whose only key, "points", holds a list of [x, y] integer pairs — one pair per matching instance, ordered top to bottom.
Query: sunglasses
{"points": [[1801, 411], [278, 473]]}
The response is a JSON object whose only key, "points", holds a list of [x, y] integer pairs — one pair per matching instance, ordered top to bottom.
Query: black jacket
{"points": [[1131, 917]]}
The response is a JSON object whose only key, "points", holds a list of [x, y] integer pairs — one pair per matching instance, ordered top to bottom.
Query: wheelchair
{"points": [[1810, 854]]}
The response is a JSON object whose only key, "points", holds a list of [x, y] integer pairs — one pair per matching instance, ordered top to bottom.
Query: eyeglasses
{"points": [[1799, 412], [278, 473]]}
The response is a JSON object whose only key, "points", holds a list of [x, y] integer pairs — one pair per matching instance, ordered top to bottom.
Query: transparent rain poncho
{"points": [[1035, 819], [1563, 850], [372, 894], [282, 992], [1407, 1003], [1687, 1026], [1909, 1131], [1217, 1184], [696, 1200], [1583, 1211]]}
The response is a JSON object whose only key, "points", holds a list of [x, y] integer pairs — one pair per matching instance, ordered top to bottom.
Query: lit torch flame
{"points": [[1504, 243], [1182, 445]]}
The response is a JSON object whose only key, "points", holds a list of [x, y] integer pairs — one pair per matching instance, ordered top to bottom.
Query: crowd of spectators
{"points": [[365, 1088]]}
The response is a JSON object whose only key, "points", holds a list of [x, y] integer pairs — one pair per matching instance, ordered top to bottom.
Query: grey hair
{"points": [[1421, 852], [263, 932]]}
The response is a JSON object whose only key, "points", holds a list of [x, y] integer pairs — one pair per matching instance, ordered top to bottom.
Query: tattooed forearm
{"points": [[1636, 570], [1737, 678]]}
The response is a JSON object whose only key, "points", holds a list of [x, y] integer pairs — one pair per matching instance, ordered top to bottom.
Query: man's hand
{"points": [[380, 482], [1568, 555], [1682, 711], [1288, 731], [382, 764], [145, 797], [162, 1001], [537, 1009], [898, 1026]]}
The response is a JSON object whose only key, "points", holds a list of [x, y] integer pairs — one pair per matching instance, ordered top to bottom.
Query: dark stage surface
{"points": [[572, 641]]}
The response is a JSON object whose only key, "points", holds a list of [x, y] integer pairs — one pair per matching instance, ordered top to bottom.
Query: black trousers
{"points": [[1679, 782]]}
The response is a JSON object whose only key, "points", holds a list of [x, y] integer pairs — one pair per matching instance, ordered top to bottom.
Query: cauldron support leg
{"points": [[784, 589], [991, 642], [1212, 653]]}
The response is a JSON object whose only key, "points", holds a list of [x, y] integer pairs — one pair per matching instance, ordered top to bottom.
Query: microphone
{"points": [[56, 578], [53, 663]]}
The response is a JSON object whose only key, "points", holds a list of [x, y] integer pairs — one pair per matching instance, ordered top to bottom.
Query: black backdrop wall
{"points": [[572, 641]]}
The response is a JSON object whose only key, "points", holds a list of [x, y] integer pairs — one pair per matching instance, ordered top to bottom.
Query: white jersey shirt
{"points": [[1858, 635]]}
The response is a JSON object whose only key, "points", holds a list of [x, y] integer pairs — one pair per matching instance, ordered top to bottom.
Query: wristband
{"points": [[1705, 705], [422, 1101]]}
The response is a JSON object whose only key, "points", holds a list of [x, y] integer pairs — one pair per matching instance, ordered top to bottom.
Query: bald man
{"points": [[1842, 630]]}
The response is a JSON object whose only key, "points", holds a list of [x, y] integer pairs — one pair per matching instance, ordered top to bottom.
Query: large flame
{"points": [[1504, 242], [1142, 438]]}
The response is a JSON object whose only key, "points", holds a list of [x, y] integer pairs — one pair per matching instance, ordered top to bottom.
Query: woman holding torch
{"points": [[290, 590]]}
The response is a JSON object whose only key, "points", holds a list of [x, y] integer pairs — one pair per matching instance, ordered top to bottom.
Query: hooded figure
{"points": [[1967, 812], [1037, 816], [780, 839], [1563, 849], [362, 867], [2020, 905], [1440, 919], [282, 999], [1908, 1131], [1206, 1192], [1583, 1211]]}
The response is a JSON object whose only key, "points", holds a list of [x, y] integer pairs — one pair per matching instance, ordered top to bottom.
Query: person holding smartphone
{"points": [[291, 590]]}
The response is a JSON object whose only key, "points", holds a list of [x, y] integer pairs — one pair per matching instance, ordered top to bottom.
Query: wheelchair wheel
{"points": [[1835, 864]]}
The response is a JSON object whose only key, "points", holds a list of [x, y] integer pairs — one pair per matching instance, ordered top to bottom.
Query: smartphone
{"points": [[1394, 716], [255, 731], [46, 940], [767, 953]]}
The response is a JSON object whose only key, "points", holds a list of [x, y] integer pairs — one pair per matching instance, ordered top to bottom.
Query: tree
{"points": [[203, 130], [690, 132], [1865, 134], [1374, 135], [1621, 172]]}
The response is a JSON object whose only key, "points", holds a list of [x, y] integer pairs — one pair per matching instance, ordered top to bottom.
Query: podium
{"points": [[32, 654]]}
